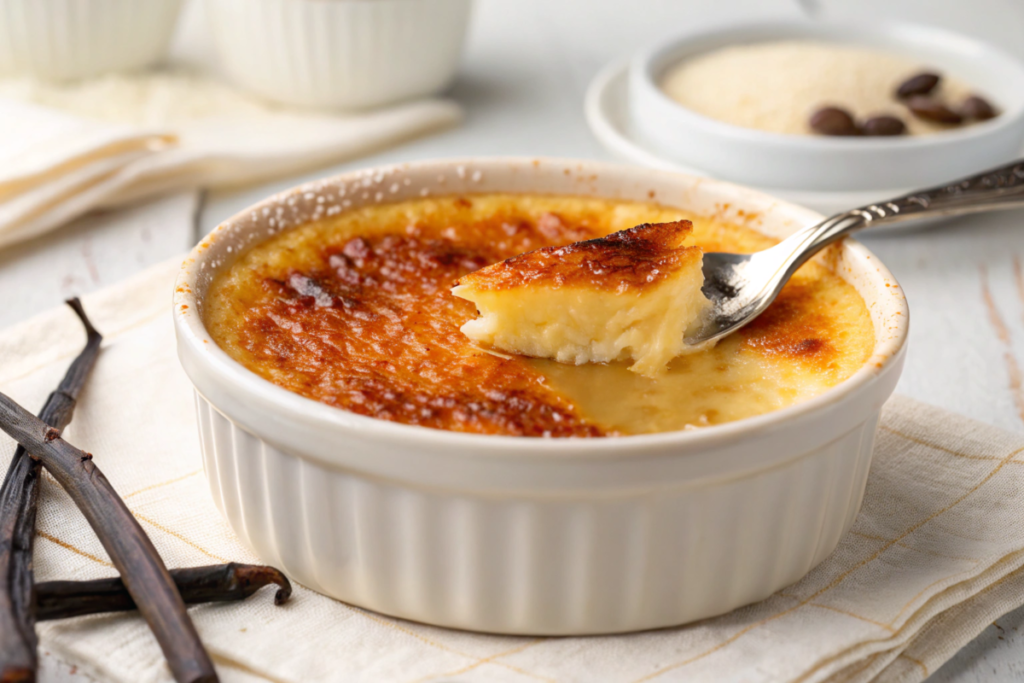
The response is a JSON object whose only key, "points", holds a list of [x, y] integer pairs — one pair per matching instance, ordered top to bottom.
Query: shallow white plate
{"points": [[606, 109]]}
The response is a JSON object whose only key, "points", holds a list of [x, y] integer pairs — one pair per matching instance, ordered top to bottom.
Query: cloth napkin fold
{"points": [[55, 166], [935, 555]]}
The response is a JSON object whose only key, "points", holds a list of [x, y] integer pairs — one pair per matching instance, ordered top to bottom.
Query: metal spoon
{"points": [[741, 286]]}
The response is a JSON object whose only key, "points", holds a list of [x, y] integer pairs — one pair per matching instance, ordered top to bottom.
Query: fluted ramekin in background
{"points": [[67, 39], [347, 54]]}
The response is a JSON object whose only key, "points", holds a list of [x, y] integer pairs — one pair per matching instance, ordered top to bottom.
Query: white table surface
{"points": [[525, 71]]}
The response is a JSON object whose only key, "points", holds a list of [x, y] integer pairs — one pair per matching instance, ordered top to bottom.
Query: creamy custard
{"points": [[775, 86], [629, 295], [355, 311]]}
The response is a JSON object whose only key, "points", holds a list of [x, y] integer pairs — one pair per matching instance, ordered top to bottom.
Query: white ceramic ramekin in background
{"points": [[67, 39], [346, 54], [890, 165], [534, 536]]}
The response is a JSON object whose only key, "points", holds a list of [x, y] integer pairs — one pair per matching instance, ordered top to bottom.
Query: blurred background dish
{"points": [[66, 39], [351, 55], [608, 117], [637, 120]]}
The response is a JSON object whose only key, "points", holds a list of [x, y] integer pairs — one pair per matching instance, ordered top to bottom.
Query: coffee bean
{"points": [[921, 84], [977, 108], [933, 110], [833, 121], [884, 125]]}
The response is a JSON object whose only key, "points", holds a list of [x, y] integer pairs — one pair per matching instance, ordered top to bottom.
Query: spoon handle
{"points": [[998, 188]]}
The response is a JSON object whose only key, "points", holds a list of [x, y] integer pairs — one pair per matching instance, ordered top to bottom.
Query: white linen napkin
{"points": [[39, 144], [47, 157], [56, 166], [935, 555]]}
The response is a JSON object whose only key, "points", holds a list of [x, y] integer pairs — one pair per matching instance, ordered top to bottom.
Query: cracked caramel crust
{"points": [[632, 259], [369, 325]]}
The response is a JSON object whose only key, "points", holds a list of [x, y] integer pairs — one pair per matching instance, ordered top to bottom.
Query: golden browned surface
{"points": [[637, 258], [355, 311]]}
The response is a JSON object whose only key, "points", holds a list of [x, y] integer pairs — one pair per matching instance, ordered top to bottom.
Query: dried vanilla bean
{"points": [[19, 496], [128, 546], [213, 583]]}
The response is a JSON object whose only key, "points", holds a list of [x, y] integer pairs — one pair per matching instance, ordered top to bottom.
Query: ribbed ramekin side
{"points": [[64, 39], [340, 54], [208, 450], [847, 489], [574, 564]]}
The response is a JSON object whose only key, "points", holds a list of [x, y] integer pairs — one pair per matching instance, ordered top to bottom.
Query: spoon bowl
{"points": [[741, 286]]}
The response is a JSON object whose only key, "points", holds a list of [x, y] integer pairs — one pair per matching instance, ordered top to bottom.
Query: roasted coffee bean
{"points": [[921, 84], [977, 108], [933, 110], [833, 121], [884, 125]]}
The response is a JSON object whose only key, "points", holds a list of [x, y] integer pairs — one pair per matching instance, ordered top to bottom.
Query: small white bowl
{"points": [[68, 39], [347, 54], [606, 110], [819, 163], [521, 535]]}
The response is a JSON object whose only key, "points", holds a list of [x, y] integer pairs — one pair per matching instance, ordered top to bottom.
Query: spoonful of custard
{"points": [[634, 294], [640, 294]]}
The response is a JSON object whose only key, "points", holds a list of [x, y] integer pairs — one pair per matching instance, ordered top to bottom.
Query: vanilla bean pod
{"points": [[19, 496], [128, 546], [213, 583]]}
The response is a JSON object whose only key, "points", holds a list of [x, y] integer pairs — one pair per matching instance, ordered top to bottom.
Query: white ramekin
{"points": [[66, 39], [340, 53], [818, 163], [539, 536]]}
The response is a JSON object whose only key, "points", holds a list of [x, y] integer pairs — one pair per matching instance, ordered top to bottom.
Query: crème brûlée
{"points": [[629, 295], [355, 311]]}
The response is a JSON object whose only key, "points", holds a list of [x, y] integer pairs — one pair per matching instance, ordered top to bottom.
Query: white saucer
{"points": [[606, 111]]}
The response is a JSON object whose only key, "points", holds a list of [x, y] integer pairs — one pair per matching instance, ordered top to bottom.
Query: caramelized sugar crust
{"points": [[633, 259], [355, 312], [366, 323], [794, 327]]}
